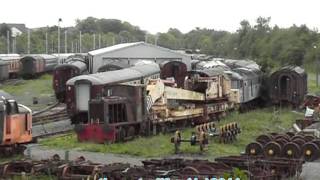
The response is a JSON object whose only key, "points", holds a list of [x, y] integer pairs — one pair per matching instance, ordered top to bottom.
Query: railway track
{"points": [[49, 118]]}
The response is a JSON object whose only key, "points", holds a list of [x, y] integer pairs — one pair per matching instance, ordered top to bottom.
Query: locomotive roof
{"points": [[232, 63], [72, 64], [211, 64], [147, 69], [209, 72], [118, 76], [108, 77], [5, 95]]}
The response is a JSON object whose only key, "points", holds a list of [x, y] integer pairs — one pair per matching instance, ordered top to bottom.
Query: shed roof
{"points": [[127, 45], [113, 48]]}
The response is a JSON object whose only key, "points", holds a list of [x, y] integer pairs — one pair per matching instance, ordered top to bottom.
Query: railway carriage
{"points": [[14, 63], [33, 65], [72, 67], [174, 69], [4, 71], [288, 85], [82, 88]]}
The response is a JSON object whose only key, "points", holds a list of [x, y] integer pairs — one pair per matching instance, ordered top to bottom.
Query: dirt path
{"points": [[37, 153]]}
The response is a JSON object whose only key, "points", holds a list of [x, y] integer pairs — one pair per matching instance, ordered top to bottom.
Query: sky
{"points": [[160, 15]]}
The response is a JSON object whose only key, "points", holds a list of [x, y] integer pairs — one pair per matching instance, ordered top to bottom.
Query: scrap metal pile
{"points": [[255, 168]]}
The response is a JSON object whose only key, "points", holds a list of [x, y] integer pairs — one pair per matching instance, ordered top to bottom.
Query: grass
{"points": [[312, 84], [41, 85], [25, 90], [252, 124]]}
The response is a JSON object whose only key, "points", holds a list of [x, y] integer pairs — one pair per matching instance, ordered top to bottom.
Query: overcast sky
{"points": [[159, 15]]}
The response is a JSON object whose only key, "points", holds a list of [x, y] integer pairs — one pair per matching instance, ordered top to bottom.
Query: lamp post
{"points": [[60, 20]]}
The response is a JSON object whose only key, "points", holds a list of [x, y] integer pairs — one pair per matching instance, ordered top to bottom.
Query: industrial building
{"points": [[130, 53]]}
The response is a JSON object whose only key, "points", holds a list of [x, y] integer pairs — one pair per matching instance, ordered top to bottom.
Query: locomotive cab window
{"points": [[11, 107], [117, 113]]}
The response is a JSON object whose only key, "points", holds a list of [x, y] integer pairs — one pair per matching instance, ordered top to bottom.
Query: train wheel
{"points": [[143, 129], [131, 132], [121, 134], [290, 134], [282, 136], [297, 137], [309, 138], [264, 139], [299, 142], [317, 142], [254, 149], [272, 149], [291, 150], [310, 151], [190, 170]]}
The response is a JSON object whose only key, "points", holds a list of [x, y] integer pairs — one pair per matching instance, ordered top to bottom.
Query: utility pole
{"points": [[60, 20], [146, 38], [156, 40], [28, 41], [99, 41], [8, 42], [46, 42], [65, 42], [94, 42], [80, 43], [13, 44], [52, 46], [76, 49], [72, 51]]}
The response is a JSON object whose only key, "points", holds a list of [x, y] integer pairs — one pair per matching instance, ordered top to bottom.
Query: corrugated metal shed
{"points": [[113, 48], [130, 53]]}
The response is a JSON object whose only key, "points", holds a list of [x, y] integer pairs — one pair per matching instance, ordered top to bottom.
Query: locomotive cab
{"points": [[117, 115], [15, 123]]}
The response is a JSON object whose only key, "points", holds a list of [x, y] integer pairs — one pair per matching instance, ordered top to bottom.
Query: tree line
{"points": [[266, 44]]}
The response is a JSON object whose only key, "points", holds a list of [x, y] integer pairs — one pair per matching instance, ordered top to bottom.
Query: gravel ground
{"points": [[52, 128], [37, 152]]}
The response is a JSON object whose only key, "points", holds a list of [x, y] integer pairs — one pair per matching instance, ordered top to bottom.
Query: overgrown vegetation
{"points": [[252, 124]]}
